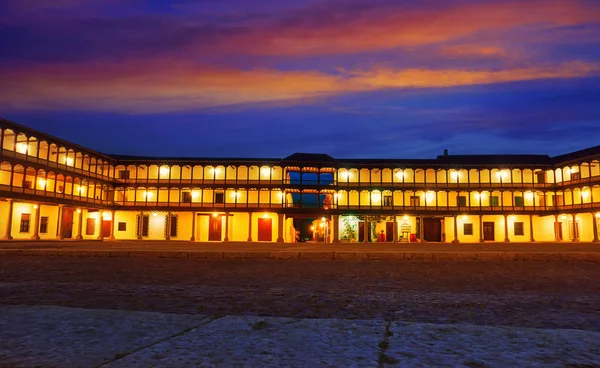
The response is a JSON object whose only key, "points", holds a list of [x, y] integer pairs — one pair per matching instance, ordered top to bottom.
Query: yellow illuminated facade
{"points": [[53, 189]]}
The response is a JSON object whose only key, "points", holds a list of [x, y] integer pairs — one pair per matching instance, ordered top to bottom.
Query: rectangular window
{"points": [[124, 174], [575, 176], [27, 184], [186, 197], [219, 197], [387, 200], [415, 201], [462, 201], [494, 201], [519, 201], [25, 222], [44, 225], [90, 226], [122, 226], [467, 229], [519, 230]]}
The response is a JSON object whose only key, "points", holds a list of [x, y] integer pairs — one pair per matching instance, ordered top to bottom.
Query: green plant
{"points": [[349, 230]]}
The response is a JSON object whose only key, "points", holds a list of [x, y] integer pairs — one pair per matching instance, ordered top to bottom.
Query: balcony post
{"points": [[36, 222]]}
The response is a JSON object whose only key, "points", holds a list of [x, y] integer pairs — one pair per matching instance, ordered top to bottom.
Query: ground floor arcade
{"points": [[28, 220]]}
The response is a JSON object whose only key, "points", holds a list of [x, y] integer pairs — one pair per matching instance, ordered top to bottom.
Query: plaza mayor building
{"points": [[54, 189]]}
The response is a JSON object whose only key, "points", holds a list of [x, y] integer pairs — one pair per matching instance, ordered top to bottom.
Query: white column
{"points": [[281, 220], [36, 222], [335, 223], [80, 225], [112, 225], [250, 226], [531, 228], [595, 229], [421, 230], [556, 231], [395, 232], [7, 233], [59, 233], [575, 234], [193, 237], [226, 239], [506, 239], [455, 241]]}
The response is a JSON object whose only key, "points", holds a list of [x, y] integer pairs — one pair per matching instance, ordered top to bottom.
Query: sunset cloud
{"points": [[161, 87]]}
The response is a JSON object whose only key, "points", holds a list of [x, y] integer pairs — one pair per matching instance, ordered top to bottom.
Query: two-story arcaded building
{"points": [[54, 189]]}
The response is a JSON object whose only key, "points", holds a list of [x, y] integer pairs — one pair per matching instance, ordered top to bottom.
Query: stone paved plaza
{"points": [[170, 312]]}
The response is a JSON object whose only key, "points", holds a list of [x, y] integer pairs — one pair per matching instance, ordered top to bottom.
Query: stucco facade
{"points": [[51, 188]]}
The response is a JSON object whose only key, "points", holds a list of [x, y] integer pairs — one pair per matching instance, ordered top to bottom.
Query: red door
{"points": [[67, 223], [106, 224], [265, 229], [214, 231]]}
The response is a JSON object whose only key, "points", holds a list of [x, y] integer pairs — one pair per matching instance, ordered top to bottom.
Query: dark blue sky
{"points": [[353, 78]]}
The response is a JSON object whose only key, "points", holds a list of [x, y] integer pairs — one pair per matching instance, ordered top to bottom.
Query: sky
{"points": [[267, 78]]}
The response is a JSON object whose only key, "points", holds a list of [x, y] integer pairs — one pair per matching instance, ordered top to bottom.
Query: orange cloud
{"points": [[390, 27], [162, 87]]}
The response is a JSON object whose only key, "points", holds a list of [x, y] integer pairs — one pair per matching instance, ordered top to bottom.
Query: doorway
{"points": [[67, 223], [106, 225], [432, 227], [214, 228], [265, 229], [558, 230], [361, 231], [389, 231], [488, 231]]}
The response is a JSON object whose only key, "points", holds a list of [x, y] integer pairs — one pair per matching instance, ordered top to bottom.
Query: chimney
{"points": [[446, 152]]}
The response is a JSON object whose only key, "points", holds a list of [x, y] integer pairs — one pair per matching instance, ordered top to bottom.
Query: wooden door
{"points": [[67, 223], [106, 225], [214, 228], [432, 228], [265, 229], [558, 230], [389, 231], [488, 231]]}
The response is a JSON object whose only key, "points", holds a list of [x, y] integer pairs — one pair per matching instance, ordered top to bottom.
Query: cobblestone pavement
{"points": [[522, 294]]}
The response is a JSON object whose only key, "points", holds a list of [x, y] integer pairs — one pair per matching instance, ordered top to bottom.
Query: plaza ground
{"points": [[150, 311]]}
